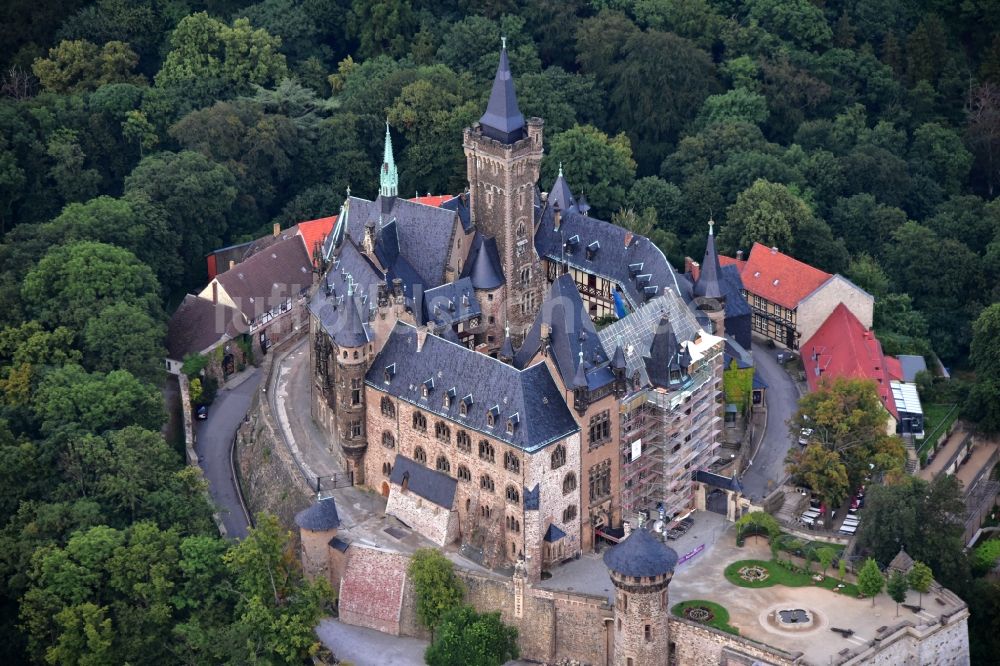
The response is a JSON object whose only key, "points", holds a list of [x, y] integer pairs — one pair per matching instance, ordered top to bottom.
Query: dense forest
{"points": [[861, 136]]}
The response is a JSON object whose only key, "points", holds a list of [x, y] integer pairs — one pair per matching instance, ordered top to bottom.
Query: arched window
{"points": [[388, 407], [489, 419], [419, 422], [442, 432], [388, 441], [464, 441], [486, 451], [420, 455], [559, 457], [511, 463], [443, 465], [386, 468], [463, 473], [486, 483], [569, 483], [513, 496], [486, 511], [569, 514], [513, 524]]}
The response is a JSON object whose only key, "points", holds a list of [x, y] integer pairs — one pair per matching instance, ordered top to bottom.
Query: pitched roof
{"points": [[503, 120], [561, 193], [435, 200], [460, 204], [314, 232], [605, 249], [483, 265], [779, 278], [266, 279], [708, 284], [450, 304], [338, 317], [198, 323], [570, 332], [843, 347], [664, 354], [910, 365], [531, 394], [718, 480], [430, 484], [320, 517], [553, 534], [641, 554], [901, 562]]}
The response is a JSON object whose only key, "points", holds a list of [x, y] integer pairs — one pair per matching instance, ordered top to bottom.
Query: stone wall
{"points": [[815, 308], [432, 521], [316, 552], [371, 592], [943, 643], [697, 645]]}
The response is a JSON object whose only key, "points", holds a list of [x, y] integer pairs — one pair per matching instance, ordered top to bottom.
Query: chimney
{"points": [[277, 229], [628, 238], [774, 249], [739, 255], [232, 264], [215, 291], [545, 331], [421, 338]]}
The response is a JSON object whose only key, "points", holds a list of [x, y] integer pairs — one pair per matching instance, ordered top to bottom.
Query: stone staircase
{"points": [[912, 459]]}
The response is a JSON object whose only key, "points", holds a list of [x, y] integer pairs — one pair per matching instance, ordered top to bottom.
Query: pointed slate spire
{"points": [[503, 120], [388, 175], [561, 195], [582, 205], [709, 280], [352, 330], [507, 350], [662, 357], [618, 360], [580, 379]]}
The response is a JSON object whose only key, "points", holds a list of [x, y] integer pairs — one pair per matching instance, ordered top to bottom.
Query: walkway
{"points": [[214, 444], [945, 455], [767, 468]]}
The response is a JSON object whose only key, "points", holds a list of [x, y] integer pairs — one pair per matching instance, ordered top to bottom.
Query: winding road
{"points": [[214, 442], [767, 467]]}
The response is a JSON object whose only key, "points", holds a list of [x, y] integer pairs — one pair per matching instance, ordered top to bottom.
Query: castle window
{"points": [[520, 225], [525, 276], [527, 302], [355, 354], [388, 373], [356, 391], [388, 407], [463, 409], [419, 422], [356, 428], [600, 428], [442, 432], [388, 441], [464, 441], [486, 451], [420, 455], [559, 457], [511, 463], [443, 465], [386, 468], [464, 475], [600, 481], [486, 483], [569, 483], [513, 496], [486, 511], [569, 514], [513, 524], [648, 633]]}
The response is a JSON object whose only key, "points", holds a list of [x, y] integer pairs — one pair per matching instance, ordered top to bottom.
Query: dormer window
{"points": [[592, 250], [389, 372], [425, 388], [449, 397], [463, 407], [492, 414], [489, 419], [512, 422]]}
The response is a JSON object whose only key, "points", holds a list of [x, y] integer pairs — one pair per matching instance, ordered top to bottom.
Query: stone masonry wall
{"points": [[814, 309], [432, 521], [371, 592], [698, 645], [941, 645]]}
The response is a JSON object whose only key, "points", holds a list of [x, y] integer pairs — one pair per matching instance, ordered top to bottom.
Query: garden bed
{"points": [[779, 574], [708, 613]]}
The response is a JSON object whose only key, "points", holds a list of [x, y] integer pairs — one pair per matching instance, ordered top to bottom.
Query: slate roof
{"points": [[503, 120], [561, 194], [460, 205], [423, 233], [604, 249], [483, 265], [267, 278], [779, 278], [709, 280], [450, 304], [347, 322], [198, 323], [570, 332], [635, 332], [843, 347], [734, 351], [664, 356], [910, 365], [758, 381], [542, 415], [718, 481], [430, 484], [320, 517], [553, 534], [641, 554], [902, 562]]}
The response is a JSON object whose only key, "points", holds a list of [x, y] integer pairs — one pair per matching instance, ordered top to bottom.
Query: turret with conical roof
{"points": [[503, 120], [388, 175], [561, 195], [709, 284], [663, 362]]}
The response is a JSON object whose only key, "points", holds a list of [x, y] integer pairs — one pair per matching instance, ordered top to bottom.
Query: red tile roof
{"points": [[433, 200], [314, 232], [729, 261], [779, 278], [843, 347], [895, 369]]}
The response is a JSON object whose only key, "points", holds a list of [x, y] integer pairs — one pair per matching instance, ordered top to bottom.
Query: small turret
{"points": [[388, 175]]}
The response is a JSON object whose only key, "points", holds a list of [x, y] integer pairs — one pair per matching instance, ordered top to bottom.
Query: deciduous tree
{"points": [[599, 166], [920, 579], [870, 580], [437, 588], [896, 588]]}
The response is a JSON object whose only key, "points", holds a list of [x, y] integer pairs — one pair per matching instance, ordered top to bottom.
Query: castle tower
{"points": [[503, 159], [708, 288], [353, 355], [317, 526], [641, 567]]}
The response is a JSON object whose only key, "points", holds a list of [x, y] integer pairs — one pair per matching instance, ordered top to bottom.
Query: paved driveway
{"points": [[215, 437], [767, 467]]}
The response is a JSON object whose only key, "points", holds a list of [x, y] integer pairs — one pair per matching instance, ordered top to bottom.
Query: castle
{"points": [[459, 372]]}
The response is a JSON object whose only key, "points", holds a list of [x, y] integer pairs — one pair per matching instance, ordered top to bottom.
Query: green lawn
{"points": [[937, 419], [779, 575], [721, 615]]}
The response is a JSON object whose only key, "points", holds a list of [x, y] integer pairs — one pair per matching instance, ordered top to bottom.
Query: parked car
{"points": [[201, 413], [805, 435]]}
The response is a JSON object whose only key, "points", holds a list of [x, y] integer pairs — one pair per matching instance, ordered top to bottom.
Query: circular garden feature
{"points": [[754, 574], [704, 612]]}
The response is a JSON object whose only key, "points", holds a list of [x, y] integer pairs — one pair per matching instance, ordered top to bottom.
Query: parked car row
{"points": [[680, 529]]}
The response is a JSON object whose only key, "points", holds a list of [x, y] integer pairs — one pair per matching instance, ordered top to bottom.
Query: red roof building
{"points": [[779, 278], [844, 347]]}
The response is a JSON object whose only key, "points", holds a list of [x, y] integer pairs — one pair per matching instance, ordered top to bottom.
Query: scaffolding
{"points": [[666, 436]]}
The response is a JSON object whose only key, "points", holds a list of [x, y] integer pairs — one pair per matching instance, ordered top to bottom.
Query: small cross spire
{"points": [[503, 42], [560, 170], [348, 190], [711, 225]]}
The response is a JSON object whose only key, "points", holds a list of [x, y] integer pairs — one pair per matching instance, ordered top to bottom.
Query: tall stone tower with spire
{"points": [[503, 159], [388, 174], [708, 294]]}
